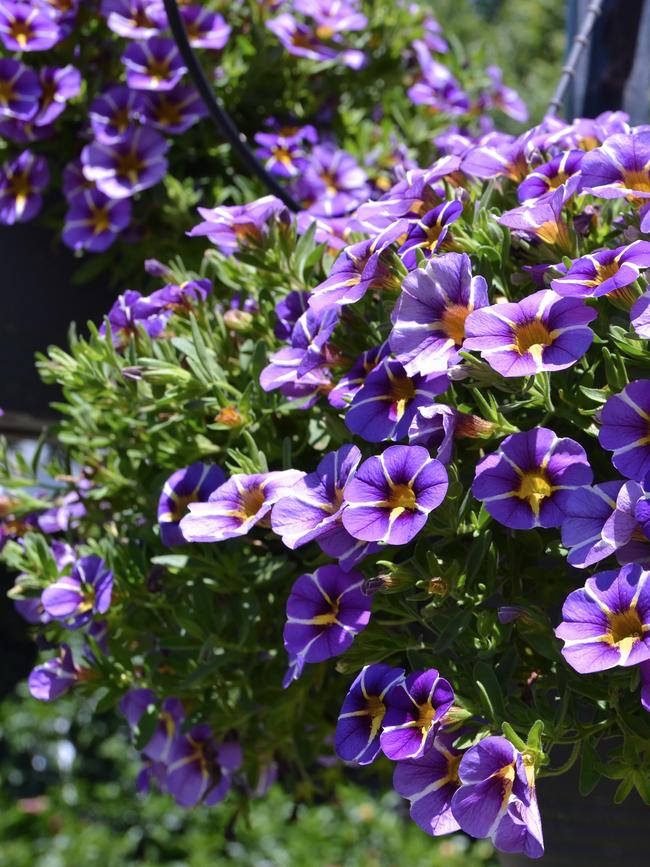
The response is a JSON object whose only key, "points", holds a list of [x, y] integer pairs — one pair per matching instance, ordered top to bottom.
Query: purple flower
{"points": [[62, 11], [332, 16], [134, 19], [24, 27], [205, 29], [301, 40], [155, 64], [58, 85], [437, 89], [20, 90], [503, 98], [174, 111], [114, 112], [283, 152], [498, 159], [135, 162], [619, 168], [549, 176], [22, 181], [75, 182], [333, 183], [543, 219], [94, 221], [230, 227], [429, 232], [359, 268], [604, 271], [183, 297], [132, 311], [288, 311], [640, 316], [430, 317], [542, 332], [283, 374], [350, 383], [388, 400], [435, 427], [625, 429], [527, 482], [192, 484], [391, 495], [236, 506], [313, 506], [63, 516], [76, 598], [326, 609], [607, 623], [54, 677], [134, 704], [414, 710], [362, 714], [199, 769], [430, 782], [497, 797]]}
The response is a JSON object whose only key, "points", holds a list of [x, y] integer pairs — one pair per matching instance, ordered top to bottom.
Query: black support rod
{"points": [[580, 42], [217, 112]]}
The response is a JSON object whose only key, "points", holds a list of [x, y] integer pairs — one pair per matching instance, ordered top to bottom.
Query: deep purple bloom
{"points": [[134, 19], [25, 27], [205, 29], [155, 64], [58, 85], [437, 89], [20, 90], [174, 111], [114, 112], [284, 151], [493, 159], [135, 162], [619, 168], [549, 176], [22, 181], [75, 183], [333, 183], [94, 221], [230, 227], [429, 232], [359, 268], [604, 271], [183, 297], [132, 311], [288, 311], [640, 316], [430, 317], [542, 332], [310, 334], [349, 384], [388, 400], [435, 427], [625, 429], [527, 482], [192, 484], [391, 495], [237, 505], [76, 598], [326, 609], [607, 623], [54, 677], [134, 704], [414, 711], [362, 714], [199, 769], [429, 782], [497, 797]]}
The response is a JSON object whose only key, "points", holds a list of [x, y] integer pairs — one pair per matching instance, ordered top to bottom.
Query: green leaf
{"points": [[589, 769]]}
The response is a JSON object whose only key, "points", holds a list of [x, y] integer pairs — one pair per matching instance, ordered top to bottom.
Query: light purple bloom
{"points": [[332, 16], [134, 19], [25, 27], [205, 29], [302, 40], [155, 64], [58, 85], [437, 89], [20, 90], [503, 98], [173, 111], [114, 112], [284, 151], [130, 165], [619, 168], [546, 178], [22, 181], [333, 183], [543, 218], [94, 221], [229, 227], [429, 233], [359, 268], [604, 271], [183, 297], [131, 312], [640, 316], [430, 317], [542, 332], [283, 374], [349, 384], [436, 426], [625, 429], [527, 482], [192, 484], [391, 495], [64, 515], [76, 598], [54, 677], [414, 711], [362, 714], [199, 769]]}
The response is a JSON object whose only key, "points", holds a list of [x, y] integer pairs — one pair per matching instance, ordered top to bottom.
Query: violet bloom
{"points": [[62, 11], [332, 16], [134, 19], [25, 27], [205, 29], [300, 40], [155, 64], [58, 85], [437, 89], [20, 90], [504, 98], [174, 111], [114, 112], [283, 153], [134, 163], [619, 168], [549, 176], [22, 181], [75, 183], [333, 183], [543, 219], [93, 221], [229, 227], [429, 233], [358, 269], [604, 271], [183, 297], [288, 311], [131, 312], [640, 316], [430, 317], [542, 332], [282, 373], [349, 384], [388, 400], [436, 426], [625, 429], [527, 482], [192, 484], [391, 495], [237, 505], [314, 505], [63, 516], [76, 598], [326, 609], [607, 623], [54, 677], [134, 704], [414, 711], [362, 714], [199, 769], [430, 782], [497, 797]]}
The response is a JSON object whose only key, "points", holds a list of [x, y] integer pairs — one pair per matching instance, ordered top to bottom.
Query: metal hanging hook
{"points": [[580, 42]]}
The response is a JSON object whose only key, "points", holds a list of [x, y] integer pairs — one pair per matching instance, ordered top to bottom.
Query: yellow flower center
{"points": [[324, 31], [21, 32], [158, 70], [6, 91], [130, 165], [557, 180], [638, 180], [330, 183], [21, 188], [100, 220], [553, 232], [605, 272], [453, 322], [532, 338], [402, 391], [534, 487], [402, 497], [252, 501], [625, 629], [376, 710], [426, 715]]}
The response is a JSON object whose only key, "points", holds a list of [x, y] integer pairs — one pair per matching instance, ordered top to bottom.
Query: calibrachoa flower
{"points": [[332, 16], [134, 19], [25, 27], [205, 29], [301, 40], [153, 65], [58, 85], [437, 89], [20, 90], [502, 97], [173, 111], [114, 112], [284, 150], [135, 162], [619, 168], [547, 177], [22, 181], [333, 183], [542, 219], [94, 221], [231, 227], [429, 233], [359, 268], [604, 271], [183, 297], [288, 311], [131, 312], [640, 316], [430, 317], [542, 332], [283, 374], [350, 383], [386, 403], [436, 426], [625, 429], [528, 481], [190, 485], [391, 495], [236, 506], [77, 597], [326, 609], [607, 623], [54, 677], [414, 711], [362, 714], [199, 769], [429, 782], [497, 797]]}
